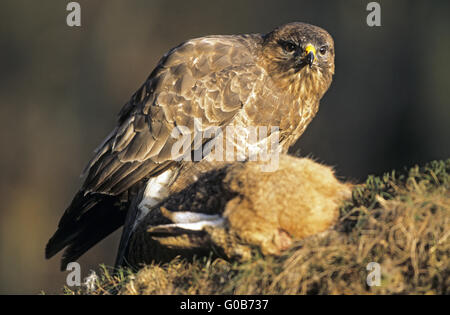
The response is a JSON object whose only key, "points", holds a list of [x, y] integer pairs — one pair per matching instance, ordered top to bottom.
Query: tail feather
{"points": [[89, 219]]}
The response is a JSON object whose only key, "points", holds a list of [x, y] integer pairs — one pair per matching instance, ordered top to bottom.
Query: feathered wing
{"points": [[208, 78]]}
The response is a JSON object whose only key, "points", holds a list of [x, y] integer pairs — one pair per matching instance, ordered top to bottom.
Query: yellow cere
{"points": [[310, 48]]}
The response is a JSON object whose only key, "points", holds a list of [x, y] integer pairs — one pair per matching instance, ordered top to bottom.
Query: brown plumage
{"points": [[271, 80], [247, 208]]}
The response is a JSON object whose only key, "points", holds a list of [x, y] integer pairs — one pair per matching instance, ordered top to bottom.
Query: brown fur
{"points": [[300, 199], [267, 210]]}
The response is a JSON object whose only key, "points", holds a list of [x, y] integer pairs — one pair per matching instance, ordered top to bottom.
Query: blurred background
{"points": [[61, 88]]}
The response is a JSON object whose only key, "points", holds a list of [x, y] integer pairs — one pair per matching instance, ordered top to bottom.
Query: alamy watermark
{"points": [[74, 17], [374, 17], [228, 143], [374, 276], [73, 278], [90, 282]]}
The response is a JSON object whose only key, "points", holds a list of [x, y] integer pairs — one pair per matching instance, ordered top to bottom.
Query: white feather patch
{"points": [[156, 191]]}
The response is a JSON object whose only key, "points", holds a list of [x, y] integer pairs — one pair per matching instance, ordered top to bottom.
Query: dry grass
{"points": [[399, 220]]}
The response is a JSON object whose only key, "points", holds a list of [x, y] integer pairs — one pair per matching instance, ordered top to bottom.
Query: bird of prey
{"points": [[274, 80]]}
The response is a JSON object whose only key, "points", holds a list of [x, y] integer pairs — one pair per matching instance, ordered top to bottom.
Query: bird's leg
{"points": [[155, 191]]}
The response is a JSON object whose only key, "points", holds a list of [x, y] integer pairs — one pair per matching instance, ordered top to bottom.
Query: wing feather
{"points": [[198, 79]]}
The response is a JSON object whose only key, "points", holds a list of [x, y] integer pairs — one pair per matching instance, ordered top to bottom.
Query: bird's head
{"points": [[297, 50]]}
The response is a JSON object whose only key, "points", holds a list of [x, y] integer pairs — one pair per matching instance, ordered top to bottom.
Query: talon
{"points": [[167, 213]]}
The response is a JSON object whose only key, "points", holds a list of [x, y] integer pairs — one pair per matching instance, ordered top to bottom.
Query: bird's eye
{"points": [[288, 46], [323, 50]]}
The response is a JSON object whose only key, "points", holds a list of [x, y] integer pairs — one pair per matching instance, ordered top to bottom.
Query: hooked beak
{"points": [[310, 54]]}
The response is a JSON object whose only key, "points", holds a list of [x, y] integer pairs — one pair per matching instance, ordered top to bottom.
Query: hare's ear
{"points": [[188, 216], [185, 222], [184, 228]]}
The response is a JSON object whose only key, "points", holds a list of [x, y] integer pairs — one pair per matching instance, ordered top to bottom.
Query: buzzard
{"points": [[273, 80]]}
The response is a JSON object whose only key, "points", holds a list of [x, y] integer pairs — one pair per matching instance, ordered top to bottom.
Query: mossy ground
{"points": [[399, 220]]}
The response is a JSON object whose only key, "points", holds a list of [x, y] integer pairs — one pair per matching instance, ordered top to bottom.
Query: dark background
{"points": [[62, 87]]}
